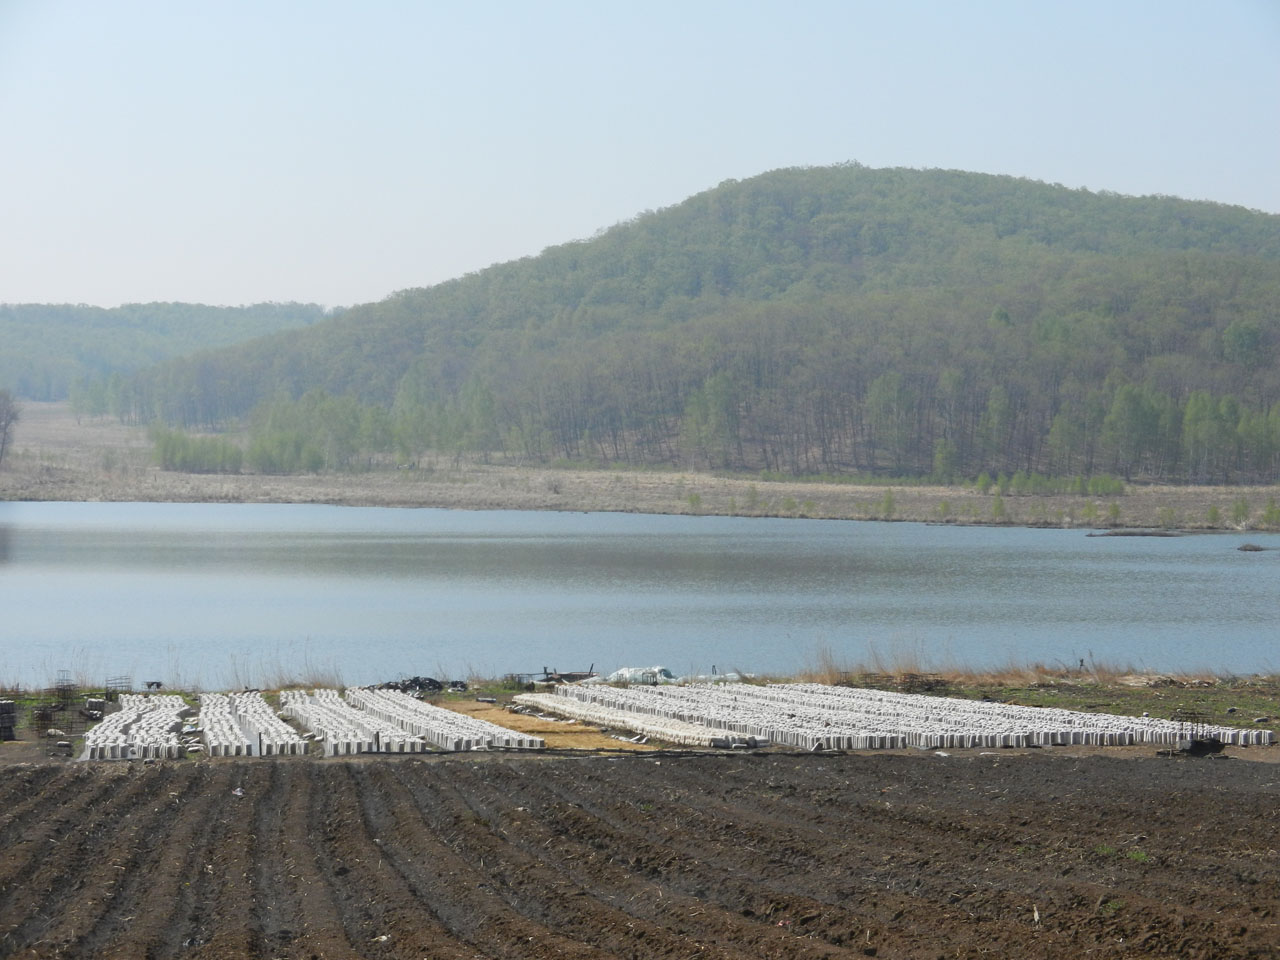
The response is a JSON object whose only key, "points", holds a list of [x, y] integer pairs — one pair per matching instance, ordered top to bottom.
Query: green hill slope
{"points": [[821, 320], [47, 348]]}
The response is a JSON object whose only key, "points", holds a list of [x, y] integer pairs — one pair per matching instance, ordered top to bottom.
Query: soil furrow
{"points": [[26, 790], [55, 807], [386, 813], [323, 822], [592, 855], [713, 856], [1039, 856], [165, 860], [83, 865], [891, 885], [212, 887], [304, 888], [465, 890], [275, 905], [380, 916]]}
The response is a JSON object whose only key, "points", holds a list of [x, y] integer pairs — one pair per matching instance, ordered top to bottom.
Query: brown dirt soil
{"points": [[55, 458], [1042, 856]]}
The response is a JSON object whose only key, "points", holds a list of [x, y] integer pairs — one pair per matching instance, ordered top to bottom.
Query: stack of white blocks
{"points": [[620, 714], [814, 716], [259, 722], [243, 725], [144, 728], [343, 729], [446, 729], [219, 730]]}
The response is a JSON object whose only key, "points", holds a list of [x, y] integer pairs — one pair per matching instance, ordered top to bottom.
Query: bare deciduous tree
{"points": [[9, 411]]}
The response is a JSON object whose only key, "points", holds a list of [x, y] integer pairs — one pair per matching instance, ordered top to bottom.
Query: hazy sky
{"points": [[231, 152]]}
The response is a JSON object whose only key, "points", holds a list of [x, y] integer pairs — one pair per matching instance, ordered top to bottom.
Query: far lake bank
{"points": [[54, 458]]}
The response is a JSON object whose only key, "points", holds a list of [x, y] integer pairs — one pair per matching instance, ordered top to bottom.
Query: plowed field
{"points": [[642, 856]]}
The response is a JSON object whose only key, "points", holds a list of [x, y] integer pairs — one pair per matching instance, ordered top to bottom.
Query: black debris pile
{"points": [[414, 686]]}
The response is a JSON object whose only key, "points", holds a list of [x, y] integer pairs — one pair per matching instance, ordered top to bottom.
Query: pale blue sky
{"points": [[231, 152]]}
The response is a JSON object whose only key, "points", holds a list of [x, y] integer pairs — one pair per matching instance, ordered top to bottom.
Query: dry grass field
{"points": [[55, 458]]}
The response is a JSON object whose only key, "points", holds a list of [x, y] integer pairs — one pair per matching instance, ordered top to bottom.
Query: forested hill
{"points": [[820, 320], [45, 349]]}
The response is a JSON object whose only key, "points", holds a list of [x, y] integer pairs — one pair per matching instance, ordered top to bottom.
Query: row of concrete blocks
{"points": [[625, 707], [621, 712], [807, 714], [434, 723], [789, 723], [1058, 724], [242, 725], [361, 727], [144, 728], [443, 728], [219, 730], [343, 730], [670, 731], [830, 731], [690, 733], [809, 735], [275, 738], [260, 748], [282, 748], [339, 748], [133, 751]]}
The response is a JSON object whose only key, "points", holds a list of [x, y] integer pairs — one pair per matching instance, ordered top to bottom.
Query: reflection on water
{"points": [[221, 593]]}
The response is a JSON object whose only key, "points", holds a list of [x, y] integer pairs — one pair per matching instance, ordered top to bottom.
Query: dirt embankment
{"points": [[56, 458], [720, 856]]}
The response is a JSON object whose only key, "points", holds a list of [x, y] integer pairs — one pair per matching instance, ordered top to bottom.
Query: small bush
{"points": [[175, 450], [1103, 485], [887, 505], [1240, 512], [1271, 515]]}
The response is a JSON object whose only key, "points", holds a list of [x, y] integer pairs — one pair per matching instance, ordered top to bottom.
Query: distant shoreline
{"points": [[54, 458]]}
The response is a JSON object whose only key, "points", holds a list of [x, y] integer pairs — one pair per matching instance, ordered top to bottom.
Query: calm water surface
{"points": [[238, 593]]}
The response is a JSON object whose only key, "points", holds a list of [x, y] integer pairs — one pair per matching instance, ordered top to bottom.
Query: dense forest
{"points": [[819, 320], [48, 351]]}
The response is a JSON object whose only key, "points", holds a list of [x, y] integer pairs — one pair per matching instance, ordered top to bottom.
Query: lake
{"points": [[242, 594]]}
